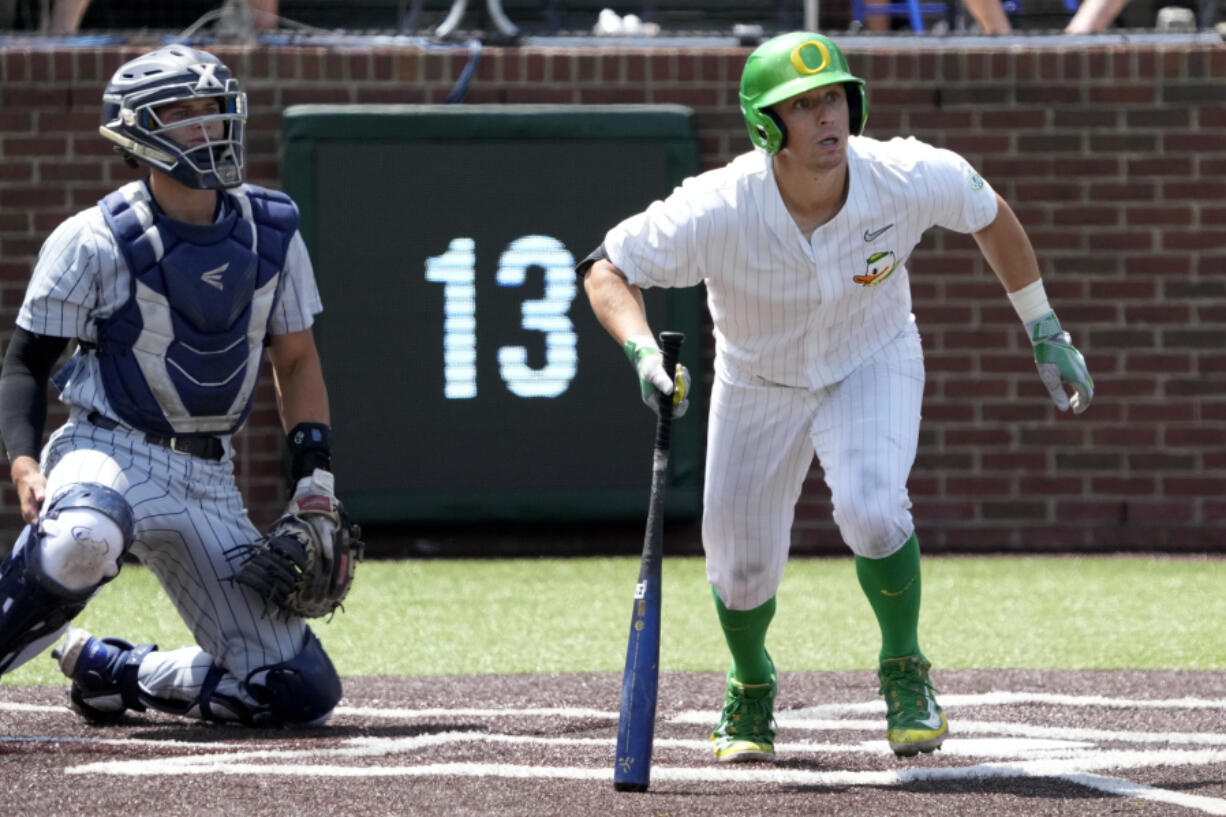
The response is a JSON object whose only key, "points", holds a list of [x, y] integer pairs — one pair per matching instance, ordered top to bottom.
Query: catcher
{"points": [[173, 287]]}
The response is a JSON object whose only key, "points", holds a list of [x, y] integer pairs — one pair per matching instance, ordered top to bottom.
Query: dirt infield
{"points": [[1032, 743]]}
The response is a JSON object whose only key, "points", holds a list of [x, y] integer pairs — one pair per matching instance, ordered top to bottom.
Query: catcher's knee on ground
{"points": [[57, 565], [299, 692]]}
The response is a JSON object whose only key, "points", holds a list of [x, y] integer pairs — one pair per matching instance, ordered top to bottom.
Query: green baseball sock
{"points": [[892, 585], [745, 634]]}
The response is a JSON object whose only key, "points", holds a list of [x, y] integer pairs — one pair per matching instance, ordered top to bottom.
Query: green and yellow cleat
{"points": [[915, 721], [746, 730]]}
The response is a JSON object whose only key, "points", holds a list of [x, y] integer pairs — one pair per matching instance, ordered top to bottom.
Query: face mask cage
{"points": [[191, 150]]}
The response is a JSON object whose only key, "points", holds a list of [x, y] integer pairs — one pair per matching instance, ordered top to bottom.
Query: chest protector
{"points": [[181, 356]]}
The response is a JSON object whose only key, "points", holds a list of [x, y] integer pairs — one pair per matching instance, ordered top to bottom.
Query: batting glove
{"points": [[648, 363], [1060, 364], [317, 491]]}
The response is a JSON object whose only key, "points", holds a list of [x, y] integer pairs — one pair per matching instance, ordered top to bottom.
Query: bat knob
{"points": [[623, 786]]}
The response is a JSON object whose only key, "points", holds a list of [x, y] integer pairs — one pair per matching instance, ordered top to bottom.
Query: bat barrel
{"points": [[636, 725]]}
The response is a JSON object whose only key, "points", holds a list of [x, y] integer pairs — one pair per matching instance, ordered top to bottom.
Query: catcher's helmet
{"points": [[785, 66], [170, 74]]}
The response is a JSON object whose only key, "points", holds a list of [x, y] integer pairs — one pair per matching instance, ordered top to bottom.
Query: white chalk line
{"points": [[1006, 698], [16, 707], [875, 707], [793, 719], [121, 742], [1033, 751], [1050, 757], [1080, 770], [1128, 788]]}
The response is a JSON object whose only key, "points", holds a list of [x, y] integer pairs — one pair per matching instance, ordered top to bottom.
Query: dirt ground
{"points": [[1022, 743]]}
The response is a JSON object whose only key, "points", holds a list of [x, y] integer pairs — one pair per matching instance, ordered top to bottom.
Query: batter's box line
{"points": [[995, 698], [1007, 698], [797, 719], [958, 726], [1072, 759], [1083, 770]]}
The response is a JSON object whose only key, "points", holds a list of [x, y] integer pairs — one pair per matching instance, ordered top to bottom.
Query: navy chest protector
{"points": [[182, 355]]}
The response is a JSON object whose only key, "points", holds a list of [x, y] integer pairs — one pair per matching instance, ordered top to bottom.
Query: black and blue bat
{"points": [[636, 724]]}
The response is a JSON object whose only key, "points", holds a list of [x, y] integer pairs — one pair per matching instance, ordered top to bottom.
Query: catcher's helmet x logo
{"points": [[207, 81]]}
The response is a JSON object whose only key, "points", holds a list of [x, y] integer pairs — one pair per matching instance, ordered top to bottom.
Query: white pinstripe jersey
{"points": [[81, 277], [793, 311]]}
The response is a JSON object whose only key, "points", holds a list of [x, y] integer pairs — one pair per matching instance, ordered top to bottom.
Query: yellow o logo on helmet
{"points": [[798, 61]]}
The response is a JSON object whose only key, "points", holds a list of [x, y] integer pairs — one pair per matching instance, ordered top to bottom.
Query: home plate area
{"points": [[1021, 742]]}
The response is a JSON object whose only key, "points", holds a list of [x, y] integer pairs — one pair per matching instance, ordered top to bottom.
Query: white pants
{"points": [[760, 445], [190, 525]]}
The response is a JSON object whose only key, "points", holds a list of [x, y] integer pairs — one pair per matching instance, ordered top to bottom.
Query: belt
{"points": [[206, 448]]}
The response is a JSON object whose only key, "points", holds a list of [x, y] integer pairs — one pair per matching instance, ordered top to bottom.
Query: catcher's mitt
{"points": [[304, 565]]}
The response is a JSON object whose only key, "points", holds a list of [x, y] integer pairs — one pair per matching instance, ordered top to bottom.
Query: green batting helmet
{"points": [[785, 66]]}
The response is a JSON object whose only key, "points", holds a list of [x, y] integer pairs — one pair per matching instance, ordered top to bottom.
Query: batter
{"points": [[803, 247], [172, 287]]}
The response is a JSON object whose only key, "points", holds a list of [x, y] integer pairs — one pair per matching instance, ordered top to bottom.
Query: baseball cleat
{"points": [[103, 673], [915, 721], [746, 730]]}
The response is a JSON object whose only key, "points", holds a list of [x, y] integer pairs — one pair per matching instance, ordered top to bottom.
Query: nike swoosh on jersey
{"points": [[875, 234]]}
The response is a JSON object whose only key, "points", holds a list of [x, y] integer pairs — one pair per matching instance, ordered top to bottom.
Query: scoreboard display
{"points": [[468, 378]]}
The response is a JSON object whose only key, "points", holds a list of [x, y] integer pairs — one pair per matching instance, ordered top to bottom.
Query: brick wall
{"points": [[1114, 158]]}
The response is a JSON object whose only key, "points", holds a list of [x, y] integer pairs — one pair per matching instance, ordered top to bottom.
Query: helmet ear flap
{"points": [[855, 108], [777, 120], [766, 129]]}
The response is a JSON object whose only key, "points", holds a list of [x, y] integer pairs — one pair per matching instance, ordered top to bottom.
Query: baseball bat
{"points": [[636, 723]]}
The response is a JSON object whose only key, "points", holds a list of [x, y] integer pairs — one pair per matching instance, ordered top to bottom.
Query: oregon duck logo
{"points": [[802, 66], [879, 266]]}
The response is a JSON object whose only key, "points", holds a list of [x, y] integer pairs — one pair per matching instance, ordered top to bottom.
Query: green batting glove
{"points": [[648, 363], [1060, 364]]}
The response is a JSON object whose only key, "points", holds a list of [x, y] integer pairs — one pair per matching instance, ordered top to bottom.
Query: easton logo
{"points": [[213, 276]]}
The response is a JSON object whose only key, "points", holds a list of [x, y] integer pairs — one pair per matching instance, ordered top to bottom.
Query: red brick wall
{"points": [[1113, 157]]}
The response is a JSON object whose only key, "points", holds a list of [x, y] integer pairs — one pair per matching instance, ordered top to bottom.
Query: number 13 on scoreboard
{"points": [[456, 271]]}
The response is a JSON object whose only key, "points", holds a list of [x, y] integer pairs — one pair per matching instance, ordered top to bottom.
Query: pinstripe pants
{"points": [[760, 444], [189, 522]]}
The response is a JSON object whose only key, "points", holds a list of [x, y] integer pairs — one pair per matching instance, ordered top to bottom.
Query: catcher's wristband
{"points": [[310, 447]]}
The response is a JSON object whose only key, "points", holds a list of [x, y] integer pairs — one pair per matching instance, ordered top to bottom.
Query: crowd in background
{"points": [[68, 17]]}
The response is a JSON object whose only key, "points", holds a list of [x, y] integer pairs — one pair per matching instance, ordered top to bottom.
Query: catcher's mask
{"points": [[785, 66], [168, 75]]}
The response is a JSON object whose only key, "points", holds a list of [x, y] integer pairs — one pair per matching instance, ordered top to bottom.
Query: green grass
{"points": [[571, 615]]}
